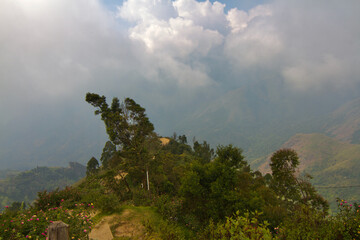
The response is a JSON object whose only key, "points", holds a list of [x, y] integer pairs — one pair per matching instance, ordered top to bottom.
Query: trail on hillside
{"points": [[128, 224]]}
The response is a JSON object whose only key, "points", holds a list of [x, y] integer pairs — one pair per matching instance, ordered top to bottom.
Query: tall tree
{"points": [[126, 123], [129, 128], [109, 151], [203, 151], [92, 166], [283, 166], [294, 190]]}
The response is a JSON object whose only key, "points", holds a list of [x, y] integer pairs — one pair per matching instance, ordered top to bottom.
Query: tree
{"points": [[126, 123], [129, 128], [109, 151], [203, 151], [92, 166], [283, 166], [221, 187], [294, 190]]}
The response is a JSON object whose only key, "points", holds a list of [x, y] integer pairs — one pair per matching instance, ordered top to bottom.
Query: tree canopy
{"points": [[126, 122]]}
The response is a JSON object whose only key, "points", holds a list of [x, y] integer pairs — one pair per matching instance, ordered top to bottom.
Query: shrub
{"points": [[46, 200], [107, 203], [168, 207], [347, 220], [34, 223], [307, 223], [238, 228]]}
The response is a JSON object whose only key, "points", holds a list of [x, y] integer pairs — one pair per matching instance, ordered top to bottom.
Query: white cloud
{"points": [[146, 10], [206, 14], [239, 20], [178, 37], [253, 40], [175, 42], [320, 43], [172, 55], [330, 72]]}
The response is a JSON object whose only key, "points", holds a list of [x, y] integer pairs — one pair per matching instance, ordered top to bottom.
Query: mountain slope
{"points": [[259, 119], [344, 123], [334, 165], [24, 186]]}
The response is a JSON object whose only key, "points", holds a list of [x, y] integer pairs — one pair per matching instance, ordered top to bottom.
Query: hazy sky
{"points": [[168, 54]]}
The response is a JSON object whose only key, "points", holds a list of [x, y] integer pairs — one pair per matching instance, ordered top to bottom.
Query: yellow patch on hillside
{"points": [[164, 141]]}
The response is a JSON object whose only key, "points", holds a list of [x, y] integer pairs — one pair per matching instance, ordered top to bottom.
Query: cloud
{"points": [[206, 14], [174, 38], [253, 39], [320, 49], [171, 56]]}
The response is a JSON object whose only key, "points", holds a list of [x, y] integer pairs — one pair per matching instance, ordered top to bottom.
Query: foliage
{"points": [[126, 122], [178, 146], [203, 151], [108, 152], [92, 166], [283, 166], [25, 185], [288, 186], [220, 188], [46, 200], [107, 203], [169, 207], [347, 220], [33, 223], [307, 223], [239, 227]]}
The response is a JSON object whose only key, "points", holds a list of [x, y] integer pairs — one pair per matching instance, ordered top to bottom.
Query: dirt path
{"points": [[128, 225], [102, 230]]}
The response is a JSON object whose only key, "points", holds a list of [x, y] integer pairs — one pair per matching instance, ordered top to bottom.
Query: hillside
{"points": [[256, 118], [344, 123], [331, 162], [24, 186]]}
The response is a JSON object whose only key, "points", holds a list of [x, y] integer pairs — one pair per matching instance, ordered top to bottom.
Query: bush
{"points": [[141, 197], [46, 200], [107, 203], [168, 207], [347, 220], [34, 223], [307, 223], [238, 228]]}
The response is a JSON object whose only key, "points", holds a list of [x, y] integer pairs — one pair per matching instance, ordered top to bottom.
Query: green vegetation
{"points": [[333, 164], [24, 186], [171, 190], [33, 223]]}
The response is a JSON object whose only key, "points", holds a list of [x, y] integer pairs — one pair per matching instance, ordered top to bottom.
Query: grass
{"points": [[141, 222]]}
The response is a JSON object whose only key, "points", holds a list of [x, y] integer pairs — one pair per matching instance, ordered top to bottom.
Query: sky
{"points": [[170, 56]]}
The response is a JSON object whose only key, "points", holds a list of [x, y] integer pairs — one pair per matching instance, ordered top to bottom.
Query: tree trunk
{"points": [[58, 231]]}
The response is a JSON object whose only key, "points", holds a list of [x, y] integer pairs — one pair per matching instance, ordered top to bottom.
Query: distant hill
{"points": [[259, 119], [344, 123], [332, 163], [24, 186]]}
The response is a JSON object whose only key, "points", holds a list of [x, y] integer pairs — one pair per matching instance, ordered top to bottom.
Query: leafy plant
{"points": [[239, 227]]}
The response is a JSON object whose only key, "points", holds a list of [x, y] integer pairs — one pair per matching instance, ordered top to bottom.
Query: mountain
{"points": [[259, 119], [344, 123], [51, 140], [333, 164], [24, 186]]}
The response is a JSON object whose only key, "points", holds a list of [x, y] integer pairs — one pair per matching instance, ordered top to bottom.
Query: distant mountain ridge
{"points": [[344, 123], [334, 165], [24, 186]]}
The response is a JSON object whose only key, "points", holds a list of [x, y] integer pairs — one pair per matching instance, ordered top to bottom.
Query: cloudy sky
{"points": [[168, 55]]}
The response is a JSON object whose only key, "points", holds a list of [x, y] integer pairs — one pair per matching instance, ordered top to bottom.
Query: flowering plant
{"points": [[33, 224]]}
